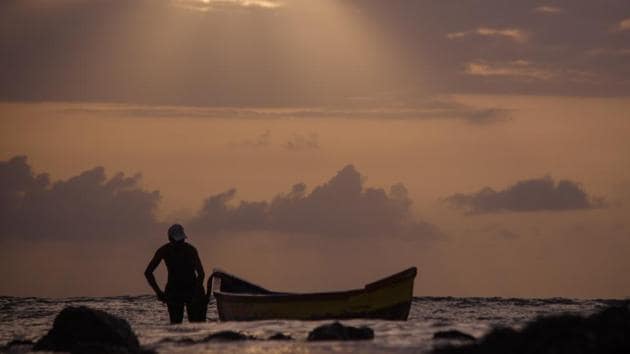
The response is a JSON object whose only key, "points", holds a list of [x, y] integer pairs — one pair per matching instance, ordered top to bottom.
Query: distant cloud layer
{"points": [[514, 34], [376, 107], [529, 195], [86, 206], [339, 208]]}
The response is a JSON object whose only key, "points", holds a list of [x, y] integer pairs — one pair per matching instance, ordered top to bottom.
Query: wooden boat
{"points": [[240, 300]]}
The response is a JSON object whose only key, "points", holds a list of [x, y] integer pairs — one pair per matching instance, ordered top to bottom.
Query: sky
{"points": [[317, 145]]}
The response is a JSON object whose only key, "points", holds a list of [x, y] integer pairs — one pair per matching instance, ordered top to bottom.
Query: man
{"points": [[184, 287]]}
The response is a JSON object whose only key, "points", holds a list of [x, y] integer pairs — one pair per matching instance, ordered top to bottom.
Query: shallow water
{"points": [[30, 318]]}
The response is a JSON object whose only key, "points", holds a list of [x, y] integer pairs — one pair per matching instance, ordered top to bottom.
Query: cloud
{"points": [[548, 10], [623, 25], [514, 34], [516, 68], [523, 70], [262, 140], [300, 142], [528, 195], [86, 206], [339, 208]]}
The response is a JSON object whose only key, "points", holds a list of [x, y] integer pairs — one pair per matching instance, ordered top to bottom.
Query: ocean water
{"points": [[30, 318]]}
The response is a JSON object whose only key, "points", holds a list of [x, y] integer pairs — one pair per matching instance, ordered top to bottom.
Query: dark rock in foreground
{"points": [[84, 330], [337, 331], [607, 332], [453, 334], [227, 336], [280, 336], [17, 342], [17, 345]]}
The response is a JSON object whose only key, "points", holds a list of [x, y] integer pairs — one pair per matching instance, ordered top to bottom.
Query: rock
{"points": [[84, 330], [337, 331], [607, 332], [453, 334], [227, 336], [280, 336], [17, 342], [17, 346]]}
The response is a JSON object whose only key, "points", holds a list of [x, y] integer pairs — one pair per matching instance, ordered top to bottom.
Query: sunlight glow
{"points": [[206, 5]]}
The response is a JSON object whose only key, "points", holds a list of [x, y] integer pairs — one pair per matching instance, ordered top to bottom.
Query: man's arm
{"points": [[199, 269], [148, 273]]}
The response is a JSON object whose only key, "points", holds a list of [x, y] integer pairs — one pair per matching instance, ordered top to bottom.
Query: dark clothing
{"points": [[181, 259], [184, 287], [196, 310]]}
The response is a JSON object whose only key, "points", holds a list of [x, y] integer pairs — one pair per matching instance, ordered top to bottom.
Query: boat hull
{"points": [[388, 299]]}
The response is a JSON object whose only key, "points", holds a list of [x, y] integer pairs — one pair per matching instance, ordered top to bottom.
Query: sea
{"points": [[29, 318]]}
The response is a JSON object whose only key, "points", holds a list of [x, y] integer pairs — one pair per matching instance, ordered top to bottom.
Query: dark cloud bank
{"points": [[529, 195], [86, 206], [90, 206], [341, 207]]}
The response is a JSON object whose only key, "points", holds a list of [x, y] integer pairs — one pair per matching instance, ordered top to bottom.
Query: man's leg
{"points": [[197, 309], [175, 312]]}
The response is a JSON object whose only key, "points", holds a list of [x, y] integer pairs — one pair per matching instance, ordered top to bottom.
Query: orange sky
{"points": [[200, 97]]}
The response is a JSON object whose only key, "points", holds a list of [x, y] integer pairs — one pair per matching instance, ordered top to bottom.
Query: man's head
{"points": [[176, 233]]}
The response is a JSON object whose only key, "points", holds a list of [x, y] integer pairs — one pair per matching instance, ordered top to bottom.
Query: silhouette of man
{"points": [[184, 287]]}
